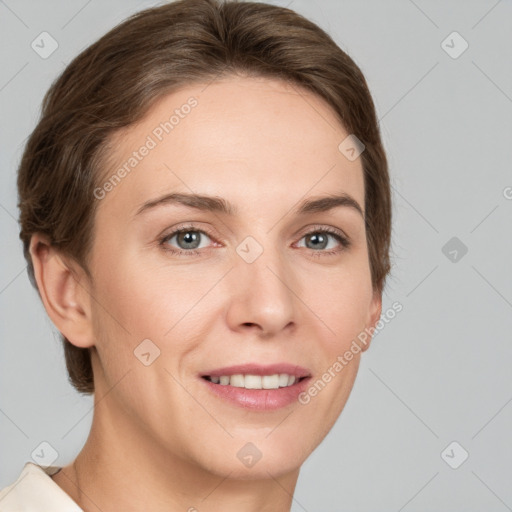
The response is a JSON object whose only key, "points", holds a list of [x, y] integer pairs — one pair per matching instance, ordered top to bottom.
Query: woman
{"points": [[205, 213]]}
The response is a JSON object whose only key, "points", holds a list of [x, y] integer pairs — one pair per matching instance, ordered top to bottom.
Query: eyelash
{"points": [[341, 238]]}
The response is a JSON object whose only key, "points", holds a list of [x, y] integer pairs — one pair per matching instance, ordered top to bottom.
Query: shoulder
{"points": [[35, 490]]}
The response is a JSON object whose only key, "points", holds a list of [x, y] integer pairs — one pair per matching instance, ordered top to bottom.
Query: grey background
{"points": [[440, 371]]}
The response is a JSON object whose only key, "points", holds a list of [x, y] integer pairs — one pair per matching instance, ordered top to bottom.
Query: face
{"points": [[187, 288]]}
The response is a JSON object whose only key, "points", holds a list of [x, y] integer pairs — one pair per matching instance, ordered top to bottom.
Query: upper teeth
{"points": [[275, 381]]}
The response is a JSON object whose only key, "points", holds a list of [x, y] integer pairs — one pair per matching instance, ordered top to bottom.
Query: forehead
{"points": [[252, 138]]}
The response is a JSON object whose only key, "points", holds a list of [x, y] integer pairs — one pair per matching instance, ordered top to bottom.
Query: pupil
{"points": [[189, 238], [322, 239]]}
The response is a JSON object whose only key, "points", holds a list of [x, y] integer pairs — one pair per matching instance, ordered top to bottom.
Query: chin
{"points": [[254, 460]]}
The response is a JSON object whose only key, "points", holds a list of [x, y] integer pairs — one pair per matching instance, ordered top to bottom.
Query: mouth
{"points": [[257, 386]]}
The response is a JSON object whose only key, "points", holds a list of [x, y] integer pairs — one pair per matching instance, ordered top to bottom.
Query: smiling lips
{"points": [[260, 387]]}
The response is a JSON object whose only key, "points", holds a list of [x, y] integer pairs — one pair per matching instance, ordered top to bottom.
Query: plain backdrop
{"points": [[435, 386]]}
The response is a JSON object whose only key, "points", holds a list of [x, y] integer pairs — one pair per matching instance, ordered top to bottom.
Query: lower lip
{"points": [[259, 399]]}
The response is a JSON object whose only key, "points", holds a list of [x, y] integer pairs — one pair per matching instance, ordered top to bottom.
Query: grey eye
{"points": [[188, 239]]}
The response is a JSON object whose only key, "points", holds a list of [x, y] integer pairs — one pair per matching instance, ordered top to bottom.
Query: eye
{"points": [[185, 240], [325, 241]]}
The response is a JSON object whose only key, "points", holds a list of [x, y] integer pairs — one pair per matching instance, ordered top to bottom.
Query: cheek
{"points": [[150, 300], [342, 301], [343, 306], [343, 309]]}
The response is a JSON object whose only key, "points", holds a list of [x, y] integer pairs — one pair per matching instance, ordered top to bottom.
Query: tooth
{"points": [[237, 380], [283, 380], [255, 381], [270, 381], [252, 382]]}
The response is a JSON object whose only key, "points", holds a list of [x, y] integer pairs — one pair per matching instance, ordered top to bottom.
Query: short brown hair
{"points": [[115, 81]]}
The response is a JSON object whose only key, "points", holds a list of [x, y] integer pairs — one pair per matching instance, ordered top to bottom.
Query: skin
{"points": [[160, 440]]}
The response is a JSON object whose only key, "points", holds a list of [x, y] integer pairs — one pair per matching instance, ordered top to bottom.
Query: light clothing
{"points": [[35, 491]]}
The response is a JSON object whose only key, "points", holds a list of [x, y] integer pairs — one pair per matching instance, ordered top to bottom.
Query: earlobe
{"points": [[64, 295], [374, 313]]}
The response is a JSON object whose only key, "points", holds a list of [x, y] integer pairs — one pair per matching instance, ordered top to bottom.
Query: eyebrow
{"points": [[219, 205]]}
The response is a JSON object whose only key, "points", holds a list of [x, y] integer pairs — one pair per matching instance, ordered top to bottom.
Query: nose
{"points": [[262, 295]]}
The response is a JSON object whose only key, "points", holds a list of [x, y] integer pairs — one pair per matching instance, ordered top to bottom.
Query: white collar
{"points": [[34, 491]]}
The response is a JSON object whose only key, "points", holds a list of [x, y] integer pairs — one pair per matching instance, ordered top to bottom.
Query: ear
{"points": [[64, 290], [374, 313]]}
